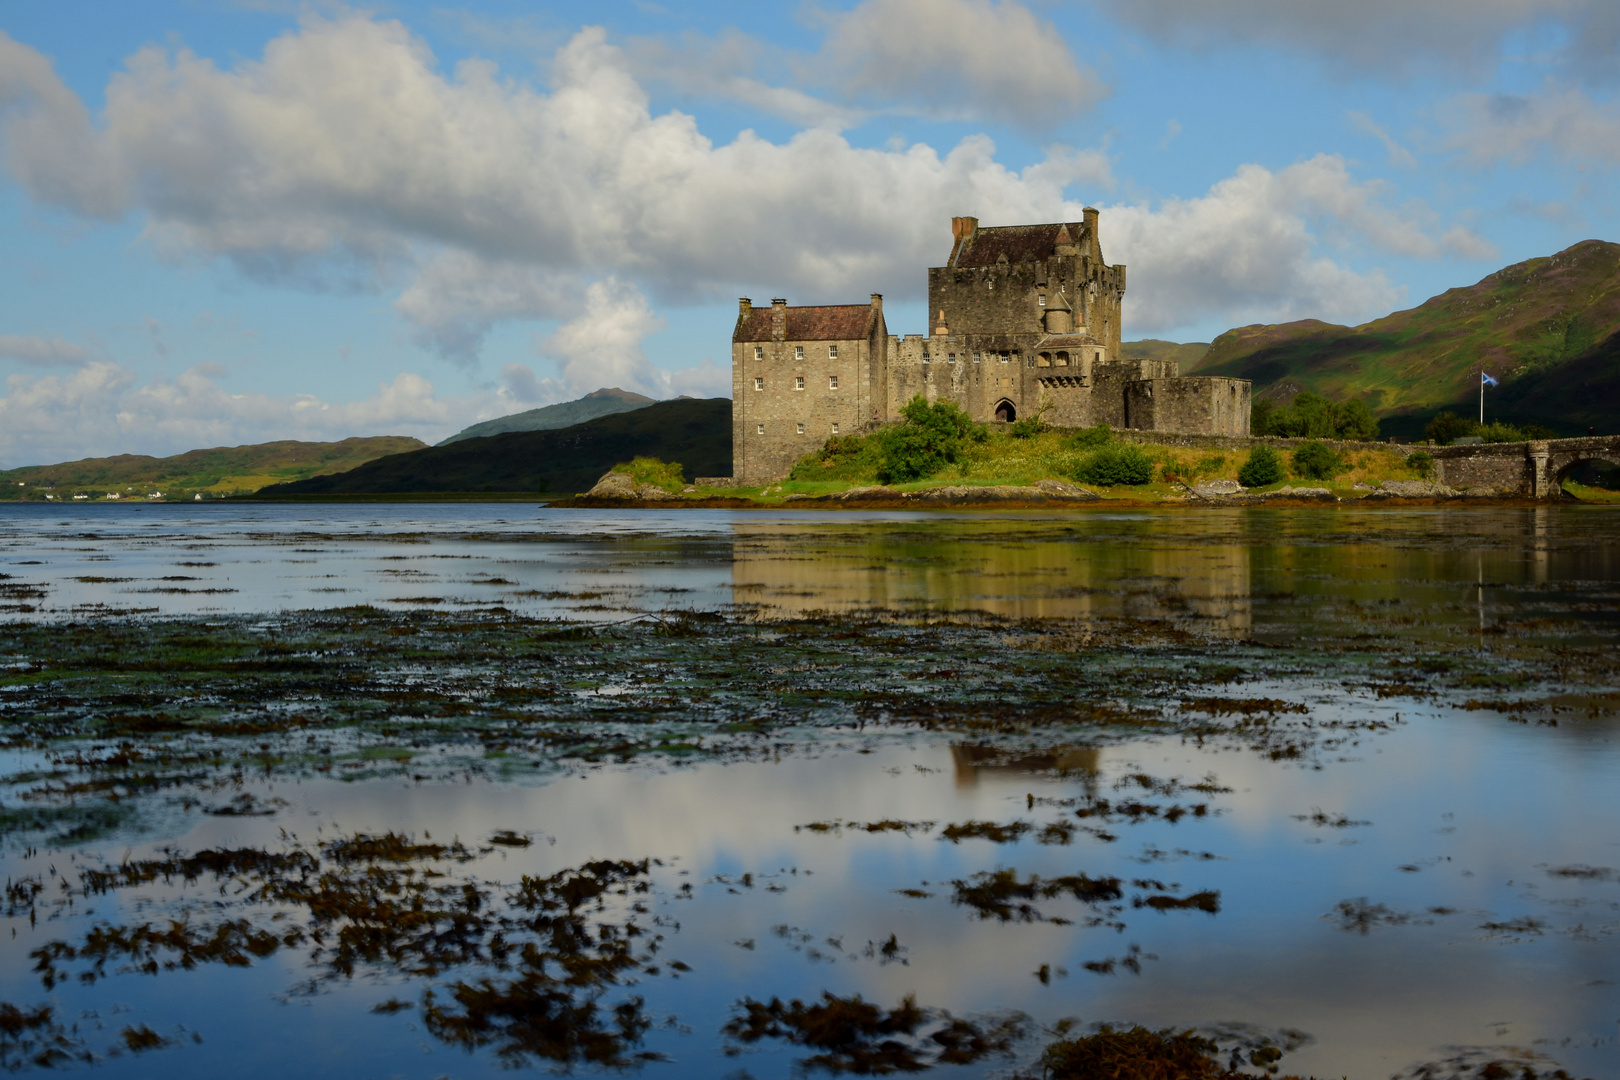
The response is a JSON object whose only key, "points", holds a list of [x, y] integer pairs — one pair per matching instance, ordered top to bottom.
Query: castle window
{"points": [[1043, 299], [759, 352], [798, 352], [832, 352], [975, 358], [1004, 358], [951, 359], [1062, 359], [1046, 360], [759, 382], [798, 382], [832, 382], [759, 429], [801, 429], [835, 429]]}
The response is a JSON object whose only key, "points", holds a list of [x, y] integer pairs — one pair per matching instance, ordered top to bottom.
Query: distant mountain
{"points": [[1548, 328], [1187, 355], [604, 402], [695, 433], [222, 470]]}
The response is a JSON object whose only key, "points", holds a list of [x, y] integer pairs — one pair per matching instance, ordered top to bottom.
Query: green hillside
{"points": [[1548, 328], [1187, 355], [603, 402], [695, 433], [223, 470]]}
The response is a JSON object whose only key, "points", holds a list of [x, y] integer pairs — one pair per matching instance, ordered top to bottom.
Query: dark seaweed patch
{"points": [[852, 1035]]}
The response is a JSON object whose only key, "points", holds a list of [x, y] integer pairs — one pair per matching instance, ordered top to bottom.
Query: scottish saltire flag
{"points": [[1486, 380]]}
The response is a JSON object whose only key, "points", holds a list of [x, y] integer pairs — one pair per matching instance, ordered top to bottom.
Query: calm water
{"points": [[1450, 880]]}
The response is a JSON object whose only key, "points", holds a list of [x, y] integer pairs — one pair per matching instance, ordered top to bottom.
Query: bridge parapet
{"points": [[1532, 469]]}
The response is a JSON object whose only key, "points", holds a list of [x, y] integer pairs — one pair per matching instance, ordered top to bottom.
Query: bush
{"points": [[1312, 416], [1448, 427], [1025, 429], [928, 438], [1092, 438], [841, 457], [1317, 461], [1421, 462], [1114, 465], [1209, 465], [1263, 467], [668, 475]]}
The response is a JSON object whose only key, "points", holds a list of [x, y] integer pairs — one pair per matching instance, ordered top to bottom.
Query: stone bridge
{"points": [[1535, 470]]}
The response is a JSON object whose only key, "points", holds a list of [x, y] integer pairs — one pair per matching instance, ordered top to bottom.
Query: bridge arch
{"points": [[1561, 465]]}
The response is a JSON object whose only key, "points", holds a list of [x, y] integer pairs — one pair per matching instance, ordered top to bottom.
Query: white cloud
{"points": [[1391, 35], [976, 58], [1516, 129], [1399, 156], [483, 199], [1245, 251], [42, 352], [101, 408]]}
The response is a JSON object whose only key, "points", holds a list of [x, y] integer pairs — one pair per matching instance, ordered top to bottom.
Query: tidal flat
{"points": [[448, 790]]}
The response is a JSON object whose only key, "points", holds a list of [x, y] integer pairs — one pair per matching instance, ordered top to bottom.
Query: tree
{"points": [[1312, 416], [1447, 427], [928, 438], [1317, 461], [1263, 467]]}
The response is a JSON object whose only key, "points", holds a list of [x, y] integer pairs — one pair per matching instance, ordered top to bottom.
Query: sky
{"points": [[230, 221]]}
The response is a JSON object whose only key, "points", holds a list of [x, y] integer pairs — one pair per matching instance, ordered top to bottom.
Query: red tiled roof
{"points": [[1020, 243], [832, 322]]}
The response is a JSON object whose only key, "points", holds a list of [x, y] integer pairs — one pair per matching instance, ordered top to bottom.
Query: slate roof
{"points": [[1020, 243], [831, 322], [1066, 341]]}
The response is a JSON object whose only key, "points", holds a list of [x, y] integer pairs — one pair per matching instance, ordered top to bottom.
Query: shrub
{"points": [[1312, 416], [1447, 427], [1025, 429], [928, 438], [1092, 438], [841, 457], [1317, 461], [1421, 462], [1113, 465], [1209, 465], [1264, 466], [668, 475]]}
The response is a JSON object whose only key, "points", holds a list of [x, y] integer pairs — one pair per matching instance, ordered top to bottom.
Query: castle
{"points": [[1025, 320]]}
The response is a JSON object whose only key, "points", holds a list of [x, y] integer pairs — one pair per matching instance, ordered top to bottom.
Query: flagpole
{"points": [[1481, 397]]}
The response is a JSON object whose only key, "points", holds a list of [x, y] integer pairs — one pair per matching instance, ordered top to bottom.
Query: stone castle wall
{"points": [[1196, 405]]}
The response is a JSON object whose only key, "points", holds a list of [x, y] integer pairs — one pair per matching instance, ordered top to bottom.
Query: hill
{"points": [[1548, 328], [1188, 355], [603, 402], [693, 432], [223, 470]]}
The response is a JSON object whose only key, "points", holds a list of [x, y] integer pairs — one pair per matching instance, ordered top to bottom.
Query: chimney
{"points": [[1090, 213], [963, 227], [877, 301], [745, 307], [778, 319]]}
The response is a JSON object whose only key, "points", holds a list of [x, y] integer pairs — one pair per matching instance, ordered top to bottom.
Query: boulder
{"points": [[618, 485], [1217, 489], [1417, 489]]}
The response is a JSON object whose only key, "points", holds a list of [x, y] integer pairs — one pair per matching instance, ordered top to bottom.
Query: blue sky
{"points": [[227, 221]]}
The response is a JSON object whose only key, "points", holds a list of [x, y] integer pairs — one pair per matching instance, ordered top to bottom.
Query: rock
{"points": [[614, 485], [618, 485], [1217, 489], [1417, 489], [1064, 490], [863, 493]]}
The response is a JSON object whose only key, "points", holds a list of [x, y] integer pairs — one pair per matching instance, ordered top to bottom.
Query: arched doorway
{"points": [[1005, 413]]}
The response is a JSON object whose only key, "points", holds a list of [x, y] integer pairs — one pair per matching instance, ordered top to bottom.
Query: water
{"points": [[1413, 836]]}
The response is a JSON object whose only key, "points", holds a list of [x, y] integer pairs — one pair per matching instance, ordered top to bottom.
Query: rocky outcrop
{"points": [[618, 485], [1217, 489]]}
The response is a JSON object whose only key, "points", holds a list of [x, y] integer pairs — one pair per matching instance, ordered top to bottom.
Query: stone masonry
{"points": [[1024, 320]]}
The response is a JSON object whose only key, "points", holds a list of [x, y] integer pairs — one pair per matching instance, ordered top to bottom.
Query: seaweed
{"points": [[852, 1035]]}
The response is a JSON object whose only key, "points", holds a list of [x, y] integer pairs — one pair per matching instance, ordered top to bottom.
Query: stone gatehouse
{"points": [[1023, 320]]}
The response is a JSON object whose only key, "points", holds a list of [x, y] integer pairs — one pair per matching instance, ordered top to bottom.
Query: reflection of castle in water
{"points": [[974, 566], [976, 763]]}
